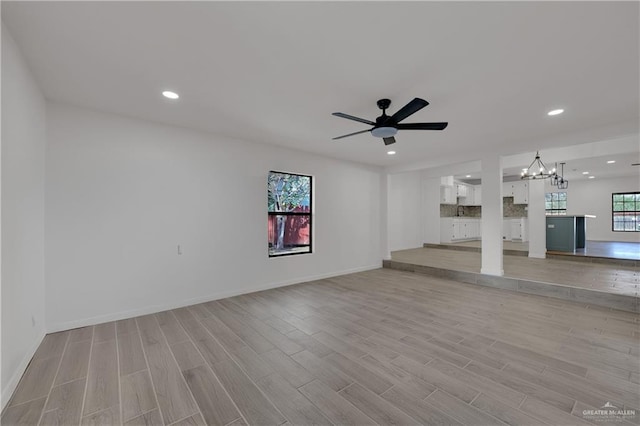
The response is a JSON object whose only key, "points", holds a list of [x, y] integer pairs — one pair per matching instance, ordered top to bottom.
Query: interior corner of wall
{"points": [[16, 375]]}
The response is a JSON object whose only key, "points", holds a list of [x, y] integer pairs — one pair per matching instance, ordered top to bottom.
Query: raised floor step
{"points": [[622, 302]]}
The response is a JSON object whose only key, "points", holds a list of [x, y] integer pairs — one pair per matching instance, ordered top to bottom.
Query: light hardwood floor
{"points": [[506, 245], [606, 249], [603, 277], [381, 346]]}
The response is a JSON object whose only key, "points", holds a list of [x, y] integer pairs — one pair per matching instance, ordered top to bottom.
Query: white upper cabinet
{"points": [[446, 181], [507, 189], [519, 190], [521, 193], [447, 195], [477, 195], [473, 197]]}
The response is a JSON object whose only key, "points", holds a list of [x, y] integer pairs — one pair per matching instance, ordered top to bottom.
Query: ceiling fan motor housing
{"points": [[384, 104], [384, 129]]}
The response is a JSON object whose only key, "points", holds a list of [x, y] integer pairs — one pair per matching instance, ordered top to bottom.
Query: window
{"points": [[555, 203], [289, 211], [626, 211]]}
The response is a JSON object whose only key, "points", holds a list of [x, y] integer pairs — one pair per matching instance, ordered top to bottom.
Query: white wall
{"points": [[23, 153], [122, 194], [593, 196], [405, 211]]}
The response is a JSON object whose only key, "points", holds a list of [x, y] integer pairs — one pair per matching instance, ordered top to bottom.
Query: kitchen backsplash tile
{"points": [[508, 209], [450, 210], [513, 210], [472, 211]]}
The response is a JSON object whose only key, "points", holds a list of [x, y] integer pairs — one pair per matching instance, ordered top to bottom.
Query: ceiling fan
{"points": [[386, 127]]}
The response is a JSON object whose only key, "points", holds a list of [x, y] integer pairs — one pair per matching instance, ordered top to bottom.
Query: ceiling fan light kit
{"points": [[386, 127], [384, 132]]}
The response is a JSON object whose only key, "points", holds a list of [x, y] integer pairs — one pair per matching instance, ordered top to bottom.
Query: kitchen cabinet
{"points": [[446, 181], [507, 189], [461, 190], [519, 190], [521, 193], [447, 195], [477, 195], [473, 197], [467, 199], [459, 229], [472, 229], [506, 229], [515, 229], [456, 231], [566, 233]]}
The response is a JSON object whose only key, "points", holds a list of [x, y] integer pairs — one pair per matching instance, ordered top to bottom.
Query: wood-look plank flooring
{"points": [[506, 245], [607, 249], [616, 279], [377, 347]]}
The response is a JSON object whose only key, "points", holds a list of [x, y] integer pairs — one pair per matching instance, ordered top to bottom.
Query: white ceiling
{"points": [[274, 72], [574, 169]]}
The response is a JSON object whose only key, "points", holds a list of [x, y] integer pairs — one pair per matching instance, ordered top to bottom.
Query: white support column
{"points": [[431, 210], [492, 215], [384, 216], [537, 219]]}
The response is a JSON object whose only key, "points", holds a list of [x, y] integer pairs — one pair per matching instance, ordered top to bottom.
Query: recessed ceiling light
{"points": [[170, 95], [555, 111], [391, 153], [611, 161], [585, 173], [468, 176], [592, 177]]}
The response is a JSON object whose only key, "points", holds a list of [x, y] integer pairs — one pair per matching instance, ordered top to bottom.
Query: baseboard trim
{"points": [[540, 255], [494, 272], [68, 325], [10, 388]]}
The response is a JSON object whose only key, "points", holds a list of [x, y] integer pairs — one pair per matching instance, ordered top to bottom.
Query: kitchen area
{"points": [[461, 211]]}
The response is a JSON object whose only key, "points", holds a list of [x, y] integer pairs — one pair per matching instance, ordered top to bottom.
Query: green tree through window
{"points": [[289, 213]]}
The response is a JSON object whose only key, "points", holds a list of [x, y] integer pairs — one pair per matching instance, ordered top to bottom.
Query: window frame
{"points": [[556, 211], [635, 212], [308, 214]]}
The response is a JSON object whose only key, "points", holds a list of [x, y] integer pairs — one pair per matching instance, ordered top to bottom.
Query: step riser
{"points": [[567, 257], [574, 294]]}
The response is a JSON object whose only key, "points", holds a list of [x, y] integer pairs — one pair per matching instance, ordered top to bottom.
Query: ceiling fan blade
{"points": [[411, 108], [351, 117], [422, 126], [351, 134], [389, 141]]}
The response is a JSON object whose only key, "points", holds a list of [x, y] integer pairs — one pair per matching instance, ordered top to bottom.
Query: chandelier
{"points": [[537, 170]]}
